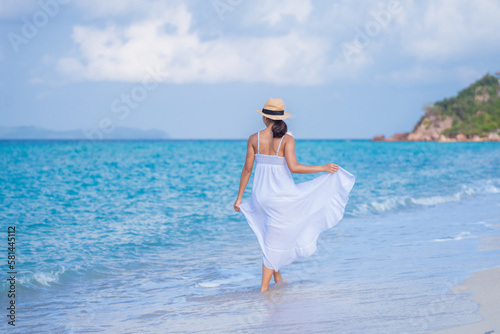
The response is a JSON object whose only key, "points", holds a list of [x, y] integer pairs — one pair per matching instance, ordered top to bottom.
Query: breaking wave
{"points": [[401, 202]]}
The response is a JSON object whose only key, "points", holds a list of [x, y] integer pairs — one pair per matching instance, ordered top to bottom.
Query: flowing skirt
{"points": [[287, 218]]}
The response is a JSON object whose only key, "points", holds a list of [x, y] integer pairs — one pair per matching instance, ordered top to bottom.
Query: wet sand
{"points": [[485, 288]]}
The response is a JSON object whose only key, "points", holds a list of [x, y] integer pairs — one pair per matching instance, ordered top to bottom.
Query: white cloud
{"points": [[273, 11], [451, 29], [306, 50], [124, 53]]}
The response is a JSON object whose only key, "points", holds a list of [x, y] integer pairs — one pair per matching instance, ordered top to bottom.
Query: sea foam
{"points": [[461, 236]]}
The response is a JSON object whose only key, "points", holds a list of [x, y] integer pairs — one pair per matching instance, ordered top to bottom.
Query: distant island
{"points": [[473, 115], [122, 132]]}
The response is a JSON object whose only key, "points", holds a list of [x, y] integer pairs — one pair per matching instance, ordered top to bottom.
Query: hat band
{"points": [[273, 112]]}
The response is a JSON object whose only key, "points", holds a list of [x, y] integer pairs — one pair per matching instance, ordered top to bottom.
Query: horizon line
{"points": [[157, 139]]}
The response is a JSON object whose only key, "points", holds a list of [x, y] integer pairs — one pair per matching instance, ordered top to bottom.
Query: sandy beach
{"points": [[485, 288]]}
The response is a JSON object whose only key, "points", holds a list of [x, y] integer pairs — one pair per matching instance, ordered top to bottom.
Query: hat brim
{"points": [[275, 117]]}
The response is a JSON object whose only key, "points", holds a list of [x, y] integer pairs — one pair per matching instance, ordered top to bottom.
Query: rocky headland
{"points": [[473, 115]]}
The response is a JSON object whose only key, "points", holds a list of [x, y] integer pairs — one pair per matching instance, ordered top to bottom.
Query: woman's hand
{"points": [[331, 168], [236, 205]]}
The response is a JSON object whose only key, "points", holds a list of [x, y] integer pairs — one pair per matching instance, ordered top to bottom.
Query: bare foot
{"points": [[264, 290]]}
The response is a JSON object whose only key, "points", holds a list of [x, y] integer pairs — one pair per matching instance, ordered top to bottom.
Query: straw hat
{"points": [[274, 109]]}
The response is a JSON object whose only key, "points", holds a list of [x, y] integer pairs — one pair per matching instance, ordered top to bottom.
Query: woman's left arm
{"points": [[245, 173]]}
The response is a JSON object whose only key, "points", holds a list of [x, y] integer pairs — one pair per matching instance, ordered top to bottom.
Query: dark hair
{"points": [[279, 128]]}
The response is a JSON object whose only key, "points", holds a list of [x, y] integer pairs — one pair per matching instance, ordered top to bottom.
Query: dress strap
{"points": [[258, 142], [278, 151]]}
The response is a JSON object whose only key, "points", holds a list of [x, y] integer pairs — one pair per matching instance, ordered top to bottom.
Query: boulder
{"points": [[430, 127], [494, 136], [398, 137], [379, 138], [476, 138], [444, 139]]}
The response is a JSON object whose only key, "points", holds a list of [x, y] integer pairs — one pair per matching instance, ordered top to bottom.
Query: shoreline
{"points": [[400, 137], [435, 141], [484, 287]]}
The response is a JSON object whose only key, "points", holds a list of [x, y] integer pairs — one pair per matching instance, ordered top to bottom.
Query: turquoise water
{"points": [[130, 236]]}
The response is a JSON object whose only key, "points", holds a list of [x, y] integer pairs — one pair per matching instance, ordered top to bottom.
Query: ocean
{"points": [[141, 237]]}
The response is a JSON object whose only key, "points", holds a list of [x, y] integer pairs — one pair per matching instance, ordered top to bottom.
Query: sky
{"points": [[346, 69]]}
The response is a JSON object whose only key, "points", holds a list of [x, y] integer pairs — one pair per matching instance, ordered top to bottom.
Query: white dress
{"points": [[287, 218]]}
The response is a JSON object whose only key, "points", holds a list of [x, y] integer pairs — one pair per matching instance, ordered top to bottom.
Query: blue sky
{"points": [[200, 69]]}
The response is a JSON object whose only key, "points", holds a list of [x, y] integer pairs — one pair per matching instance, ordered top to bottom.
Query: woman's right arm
{"points": [[297, 168], [246, 172]]}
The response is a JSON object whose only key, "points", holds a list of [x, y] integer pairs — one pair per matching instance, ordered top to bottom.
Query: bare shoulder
{"points": [[288, 138], [252, 140]]}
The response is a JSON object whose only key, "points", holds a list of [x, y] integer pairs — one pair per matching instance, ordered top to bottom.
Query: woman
{"points": [[287, 218]]}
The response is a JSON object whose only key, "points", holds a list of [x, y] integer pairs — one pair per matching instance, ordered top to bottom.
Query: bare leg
{"points": [[267, 274], [277, 276]]}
